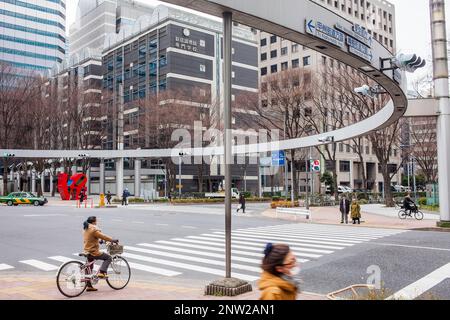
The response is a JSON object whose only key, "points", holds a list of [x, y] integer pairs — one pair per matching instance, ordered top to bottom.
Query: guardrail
{"points": [[295, 211]]}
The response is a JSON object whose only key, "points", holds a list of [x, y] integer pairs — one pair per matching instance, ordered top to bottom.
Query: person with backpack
{"points": [[125, 196], [108, 197], [241, 203], [344, 208]]}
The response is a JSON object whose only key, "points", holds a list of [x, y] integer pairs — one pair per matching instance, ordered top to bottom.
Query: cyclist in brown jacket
{"points": [[91, 237]]}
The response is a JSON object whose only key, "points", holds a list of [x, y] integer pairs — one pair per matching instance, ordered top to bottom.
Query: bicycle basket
{"points": [[114, 249]]}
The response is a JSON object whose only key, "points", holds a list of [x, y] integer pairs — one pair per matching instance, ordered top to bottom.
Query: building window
{"points": [[273, 39], [263, 42], [202, 43], [294, 48], [284, 51], [273, 53], [263, 56], [324, 60], [306, 61], [295, 63], [284, 66], [202, 68], [274, 68], [264, 71], [233, 74], [264, 87], [264, 103], [341, 147], [348, 148], [367, 150], [344, 166]]}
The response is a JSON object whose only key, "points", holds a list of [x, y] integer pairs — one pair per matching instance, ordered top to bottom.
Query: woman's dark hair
{"points": [[88, 221], [274, 256]]}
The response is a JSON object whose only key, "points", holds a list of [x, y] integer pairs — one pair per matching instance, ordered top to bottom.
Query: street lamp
{"points": [[181, 154]]}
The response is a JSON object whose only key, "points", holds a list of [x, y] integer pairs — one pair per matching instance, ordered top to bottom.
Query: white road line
{"points": [[45, 215], [117, 220], [138, 222], [162, 224], [189, 227], [339, 229], [324, 231], [308, 234], [278, 238], [334, 240], [256, 242], [406, 246], [222, 250], [194, 252], [66, 259], [200, 260], [40, 265], [4, 266], [187, 266], [143, 267], [423, 285]]}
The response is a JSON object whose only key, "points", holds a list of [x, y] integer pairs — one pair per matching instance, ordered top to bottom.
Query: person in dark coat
{"points": [[125, 195], [108, 197], [241, 203], [344, 207]]}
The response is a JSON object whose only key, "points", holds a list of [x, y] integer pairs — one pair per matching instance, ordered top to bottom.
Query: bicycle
{"points": [[418, 215], [73, 276]]}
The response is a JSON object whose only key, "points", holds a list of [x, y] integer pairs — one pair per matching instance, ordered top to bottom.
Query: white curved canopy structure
{"points": [[335, 39]]}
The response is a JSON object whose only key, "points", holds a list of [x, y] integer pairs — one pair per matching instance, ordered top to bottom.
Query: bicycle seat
{"points": [[83, 254]]}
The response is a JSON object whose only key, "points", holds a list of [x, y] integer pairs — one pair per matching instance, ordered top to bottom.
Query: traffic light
{"points": [[408, 62], [365, 90], [8, 155], [315, 165]]}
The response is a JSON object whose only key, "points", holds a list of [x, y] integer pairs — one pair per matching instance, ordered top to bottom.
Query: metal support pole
{"points": [[227, 57], [441, 92], [120, 143], [52, 172], [311, 174], [102, 176], [179, 176], [137, 178], [414, 178], [33, 181], [43, 181], [165, 181], [292, 182], [306, 186]]}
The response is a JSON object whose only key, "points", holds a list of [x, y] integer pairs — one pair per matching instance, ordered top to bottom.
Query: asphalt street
{"points": [[188, 240]]}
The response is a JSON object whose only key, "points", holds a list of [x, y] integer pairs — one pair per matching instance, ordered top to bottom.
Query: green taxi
{"points": [[16, 198]]}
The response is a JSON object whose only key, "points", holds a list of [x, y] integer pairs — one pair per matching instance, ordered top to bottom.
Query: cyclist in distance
{"points": [[408, 203], [92, 236]]}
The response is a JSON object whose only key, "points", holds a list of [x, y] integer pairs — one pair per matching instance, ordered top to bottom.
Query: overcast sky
{"points": [[412, 22]]}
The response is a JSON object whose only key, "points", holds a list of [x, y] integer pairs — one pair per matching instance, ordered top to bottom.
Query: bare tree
{"points": [[284, 101], [424, 146]]}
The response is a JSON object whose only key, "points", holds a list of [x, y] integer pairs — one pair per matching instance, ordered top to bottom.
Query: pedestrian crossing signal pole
{"points": [[227, 286]]}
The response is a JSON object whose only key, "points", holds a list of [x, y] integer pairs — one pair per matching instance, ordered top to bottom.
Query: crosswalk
{"points": [[204, 253]]}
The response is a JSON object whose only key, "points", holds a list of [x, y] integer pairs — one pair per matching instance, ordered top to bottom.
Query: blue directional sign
{"points": [[326, 33], [359, 49], [278, 158]]}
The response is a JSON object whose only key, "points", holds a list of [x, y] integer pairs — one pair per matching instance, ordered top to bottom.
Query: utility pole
{"points": [[441, 92]]}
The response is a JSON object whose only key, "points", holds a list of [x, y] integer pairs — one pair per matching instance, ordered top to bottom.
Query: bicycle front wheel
{"points": [[402, 214], [418, 215], [119, 273], [71, 279]]}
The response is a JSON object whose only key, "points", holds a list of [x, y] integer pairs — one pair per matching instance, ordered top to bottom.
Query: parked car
{"points": [[344, 189], [16, 198]]}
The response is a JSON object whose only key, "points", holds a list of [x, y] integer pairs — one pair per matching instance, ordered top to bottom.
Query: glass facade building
{"points": [[32, 33]]}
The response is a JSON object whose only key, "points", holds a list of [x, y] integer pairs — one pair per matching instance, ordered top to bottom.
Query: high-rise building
{"points": [[97, 18], [32, 33], [173, 51], [278, 54]]}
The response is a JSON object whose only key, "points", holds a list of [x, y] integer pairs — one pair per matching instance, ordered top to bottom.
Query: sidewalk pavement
{"points": [[374, 216], [37, 287]]}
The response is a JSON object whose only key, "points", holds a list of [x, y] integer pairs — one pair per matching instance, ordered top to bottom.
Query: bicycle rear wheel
{"points": [[402, 214], [418, 215], [119, 273], [71, 279]]}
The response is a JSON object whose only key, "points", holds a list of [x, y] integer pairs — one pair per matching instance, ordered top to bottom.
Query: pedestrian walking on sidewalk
{"points": [[125, 196], [108, 197], [241, 203], [344, 207], [356, 211], [280, 268]]}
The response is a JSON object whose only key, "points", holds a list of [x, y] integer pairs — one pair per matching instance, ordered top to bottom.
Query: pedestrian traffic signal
{"points": [[408, 62], [315, 165]]}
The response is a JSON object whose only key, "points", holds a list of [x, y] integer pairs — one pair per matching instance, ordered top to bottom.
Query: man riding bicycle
{"points": [[409, 204], [92, 235]]}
